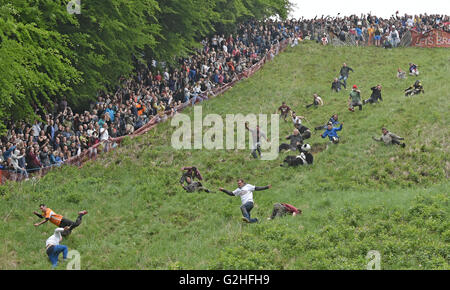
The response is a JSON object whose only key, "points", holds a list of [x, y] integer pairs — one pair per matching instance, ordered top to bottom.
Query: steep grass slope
{"points": [[358, 196]]}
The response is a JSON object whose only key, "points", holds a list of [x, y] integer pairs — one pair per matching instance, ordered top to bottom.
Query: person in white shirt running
{"points": [[245, 191], [53, 248]]}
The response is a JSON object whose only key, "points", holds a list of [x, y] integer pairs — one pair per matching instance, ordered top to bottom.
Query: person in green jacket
{"points": [[354, 99]]}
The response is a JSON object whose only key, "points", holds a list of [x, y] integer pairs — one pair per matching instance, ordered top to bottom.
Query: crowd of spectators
{"points": [[368, 29], [158, 90]]}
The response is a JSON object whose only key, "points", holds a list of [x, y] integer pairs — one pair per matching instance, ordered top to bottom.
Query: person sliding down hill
{"points": [[415, 89], [375, 96], [354, 99], [317, 101], [284, 109], [333, 120], [331, 133], [390, 138], [296, 139], [304, 158], [188, 177], [245, 191], [281, 209], [58, 220], [53, 248]]}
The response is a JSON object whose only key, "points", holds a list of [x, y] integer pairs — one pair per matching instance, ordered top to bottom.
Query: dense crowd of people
{"points": [[157, 90]]}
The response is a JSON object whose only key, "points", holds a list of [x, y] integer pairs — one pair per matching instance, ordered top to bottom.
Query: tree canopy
{"points": [[47, 53]]}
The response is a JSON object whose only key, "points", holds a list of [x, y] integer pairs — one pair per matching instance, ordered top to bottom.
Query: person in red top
{"points": [[284, 109], [281, 209], [58, 220]]}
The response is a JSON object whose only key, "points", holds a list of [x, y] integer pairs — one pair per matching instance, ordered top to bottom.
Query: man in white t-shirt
{"points": [[245, 191], [53, 248]]}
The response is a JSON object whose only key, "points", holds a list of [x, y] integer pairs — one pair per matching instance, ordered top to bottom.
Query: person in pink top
{"points": [[281, 209]]}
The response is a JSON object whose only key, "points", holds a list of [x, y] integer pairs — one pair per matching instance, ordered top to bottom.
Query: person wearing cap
{"points": [[344, 73], [375, 96], [354, 99], [331, 133], [389, 138], [245, 191], [281, 209]]}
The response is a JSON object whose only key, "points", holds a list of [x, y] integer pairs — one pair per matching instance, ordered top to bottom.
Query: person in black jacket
{"points": [[344, 73], [336, 85], [375, 96], [296, 139]]}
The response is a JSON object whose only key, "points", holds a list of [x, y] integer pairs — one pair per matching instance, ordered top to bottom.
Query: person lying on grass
{"points": [[415, 89], [375, 96], [317, 101], [389, 138], [295, 140], [304, 158], [188, 177], [245, 191], [281, 209], [58, 220]]}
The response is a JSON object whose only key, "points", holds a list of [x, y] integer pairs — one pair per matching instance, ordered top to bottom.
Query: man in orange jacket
{"points": [[58, 220]]}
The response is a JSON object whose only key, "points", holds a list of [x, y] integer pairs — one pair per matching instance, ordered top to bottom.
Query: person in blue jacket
{"points": [[331, 132]]}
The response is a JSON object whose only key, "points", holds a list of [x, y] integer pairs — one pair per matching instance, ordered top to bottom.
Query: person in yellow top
{"points": [[58, 220]]}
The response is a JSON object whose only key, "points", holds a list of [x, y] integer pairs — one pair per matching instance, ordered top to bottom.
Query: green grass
{"points": [[358, 196]]}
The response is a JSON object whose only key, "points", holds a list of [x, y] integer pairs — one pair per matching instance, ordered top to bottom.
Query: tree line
{"points": [[47, 53]]}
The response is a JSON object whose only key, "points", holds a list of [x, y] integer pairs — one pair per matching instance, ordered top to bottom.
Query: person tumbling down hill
{"points": [[336, 85], [415, 89], [375, 96], [354, 99], [317, 101], [284, 109], [333, 120], [257, 133], [331, 133], [389, 138], [296, 139], [304, 158], [188, 177], [245, 191], [281, 209], [58, 220], [53, 248]]}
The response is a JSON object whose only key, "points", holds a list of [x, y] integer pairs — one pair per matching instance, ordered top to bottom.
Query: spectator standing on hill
{"points": [[344, 73], [354, 99], [389, 138], [245, 191], [281, 209]]}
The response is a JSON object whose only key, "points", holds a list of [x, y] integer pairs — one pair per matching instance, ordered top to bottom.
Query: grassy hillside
{"points": [[358, 196]]}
